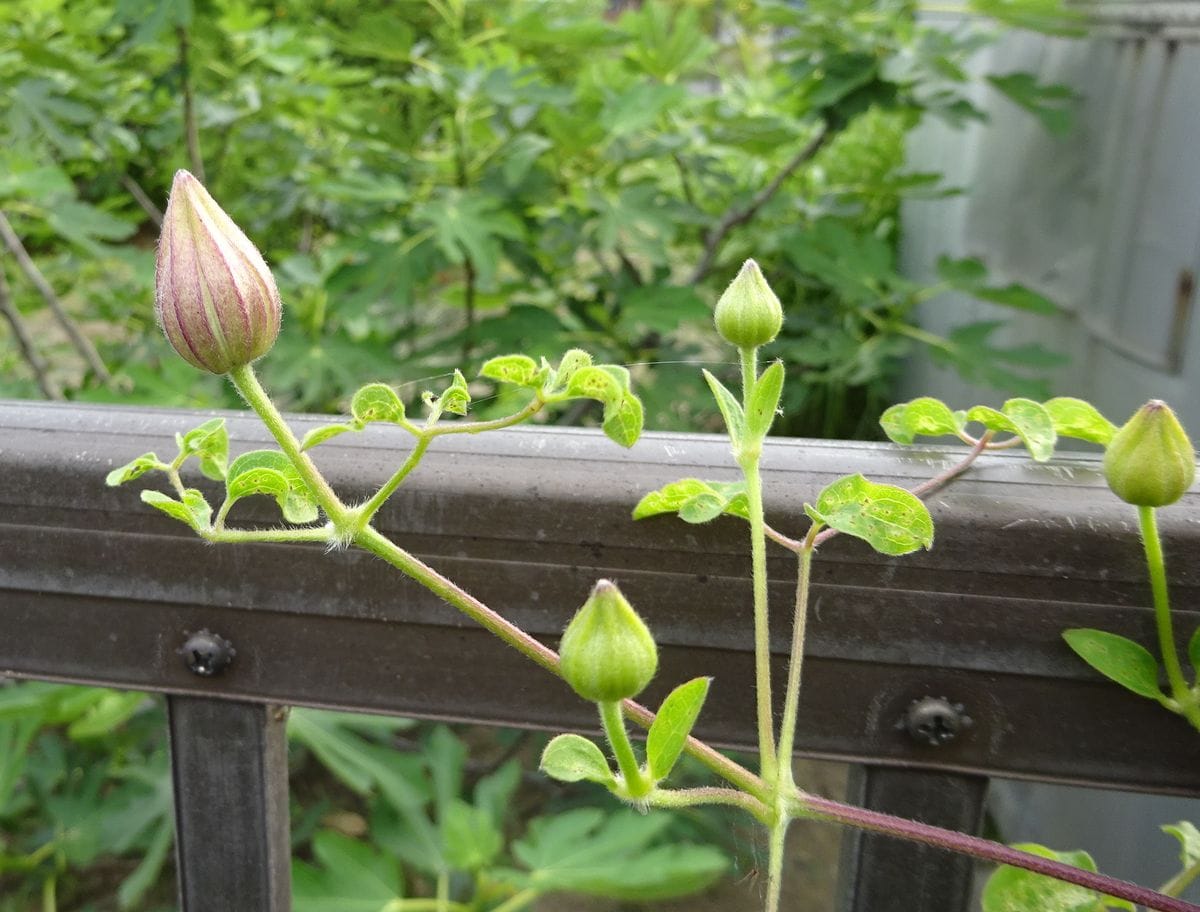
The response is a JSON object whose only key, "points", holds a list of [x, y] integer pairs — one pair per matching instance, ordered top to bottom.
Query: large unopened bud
{"points": [[214, 295], [748, 313], [1150, 461], [607, 652]]}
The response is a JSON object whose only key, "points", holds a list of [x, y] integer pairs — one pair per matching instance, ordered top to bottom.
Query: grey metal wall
{"points": [[1106, 221]]}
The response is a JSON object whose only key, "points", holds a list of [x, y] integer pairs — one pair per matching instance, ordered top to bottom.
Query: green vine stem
{"points": [[246, 382], [748, 456], [1155, 563], [636, 784], [693, 797], [818, 808], [1181, 881]]}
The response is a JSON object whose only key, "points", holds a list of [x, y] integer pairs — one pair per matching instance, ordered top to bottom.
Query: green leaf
{"points": [[1053, 105], [572, 362], [520, 370], [594, 382], [456, 398], [377, 402], [763, 402], [731, 409], [925, 417], [1027, 419], [1080, 419], [623, 420], [319, 435], [210, 443], [133, 469], [270, 472], [695, 501], [193, 510], [890, 519], [1117, 658], [109, 712], [672, 725], [572, 758], [471, 839], [1189, 841], [611, 854], [353, 877], [133, 888], [1012, 889]]}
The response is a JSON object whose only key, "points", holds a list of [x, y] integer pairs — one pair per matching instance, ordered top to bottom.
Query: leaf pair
{"points": [[371, 403], [749, 425], [1038, 425], [209, 443], [270, 472], [890, 519], [573, 758]]}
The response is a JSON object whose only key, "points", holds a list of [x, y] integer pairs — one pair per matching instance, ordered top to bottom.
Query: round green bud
{"points": [[214, 296], [748, 313], [1150, 461], [607, 652]]}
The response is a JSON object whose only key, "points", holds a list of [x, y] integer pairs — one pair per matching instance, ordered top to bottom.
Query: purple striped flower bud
{"points": [[214, 296]]}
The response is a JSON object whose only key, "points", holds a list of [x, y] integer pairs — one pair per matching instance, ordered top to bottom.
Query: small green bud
{"points": [[214, 296], [748, 313], [1150, 461], [607, 651]]}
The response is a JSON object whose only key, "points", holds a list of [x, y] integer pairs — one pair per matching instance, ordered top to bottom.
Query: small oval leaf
{"points": [[520, 370], [594, 382], [377, 402], [763, 402], [731, 409], [924, 417], [1079, 419], [623, 421], [319, 435], [134, 469], [890, 519], [1118, 658], [672, 725], [572, 758]]}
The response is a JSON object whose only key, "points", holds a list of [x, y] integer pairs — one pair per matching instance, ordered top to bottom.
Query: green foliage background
{"points": [[438, 182]]}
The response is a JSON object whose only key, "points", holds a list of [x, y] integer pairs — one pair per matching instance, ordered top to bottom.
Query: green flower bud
{"points": [[214, 296], [748, 313], [1150, 461], [607, 652]]}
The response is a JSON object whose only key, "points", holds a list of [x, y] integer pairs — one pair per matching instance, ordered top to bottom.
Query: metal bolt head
{"points": [[206, 654], [934, 721]]}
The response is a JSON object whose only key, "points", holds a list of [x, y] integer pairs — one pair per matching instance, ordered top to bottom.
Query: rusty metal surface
{"points": [[97, 587]]}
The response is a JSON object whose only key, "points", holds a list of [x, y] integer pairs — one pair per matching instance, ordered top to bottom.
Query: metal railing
{"points": [[97, 588]]}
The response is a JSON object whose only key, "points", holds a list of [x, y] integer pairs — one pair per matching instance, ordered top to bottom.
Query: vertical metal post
{"points": [[229, 767], [882, 874]]}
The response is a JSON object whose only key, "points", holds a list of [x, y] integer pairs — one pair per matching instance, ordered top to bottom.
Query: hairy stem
{"points": [[247, 384], [748, 458], [1156, 564], [791, 703], [618, 739], [693, 797], [914, 831], [775, 847], [1181, 881]]}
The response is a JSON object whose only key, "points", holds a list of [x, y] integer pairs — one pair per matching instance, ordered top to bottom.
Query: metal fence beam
{"points": [[96, 587], [229, 770], [881, 874]]}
